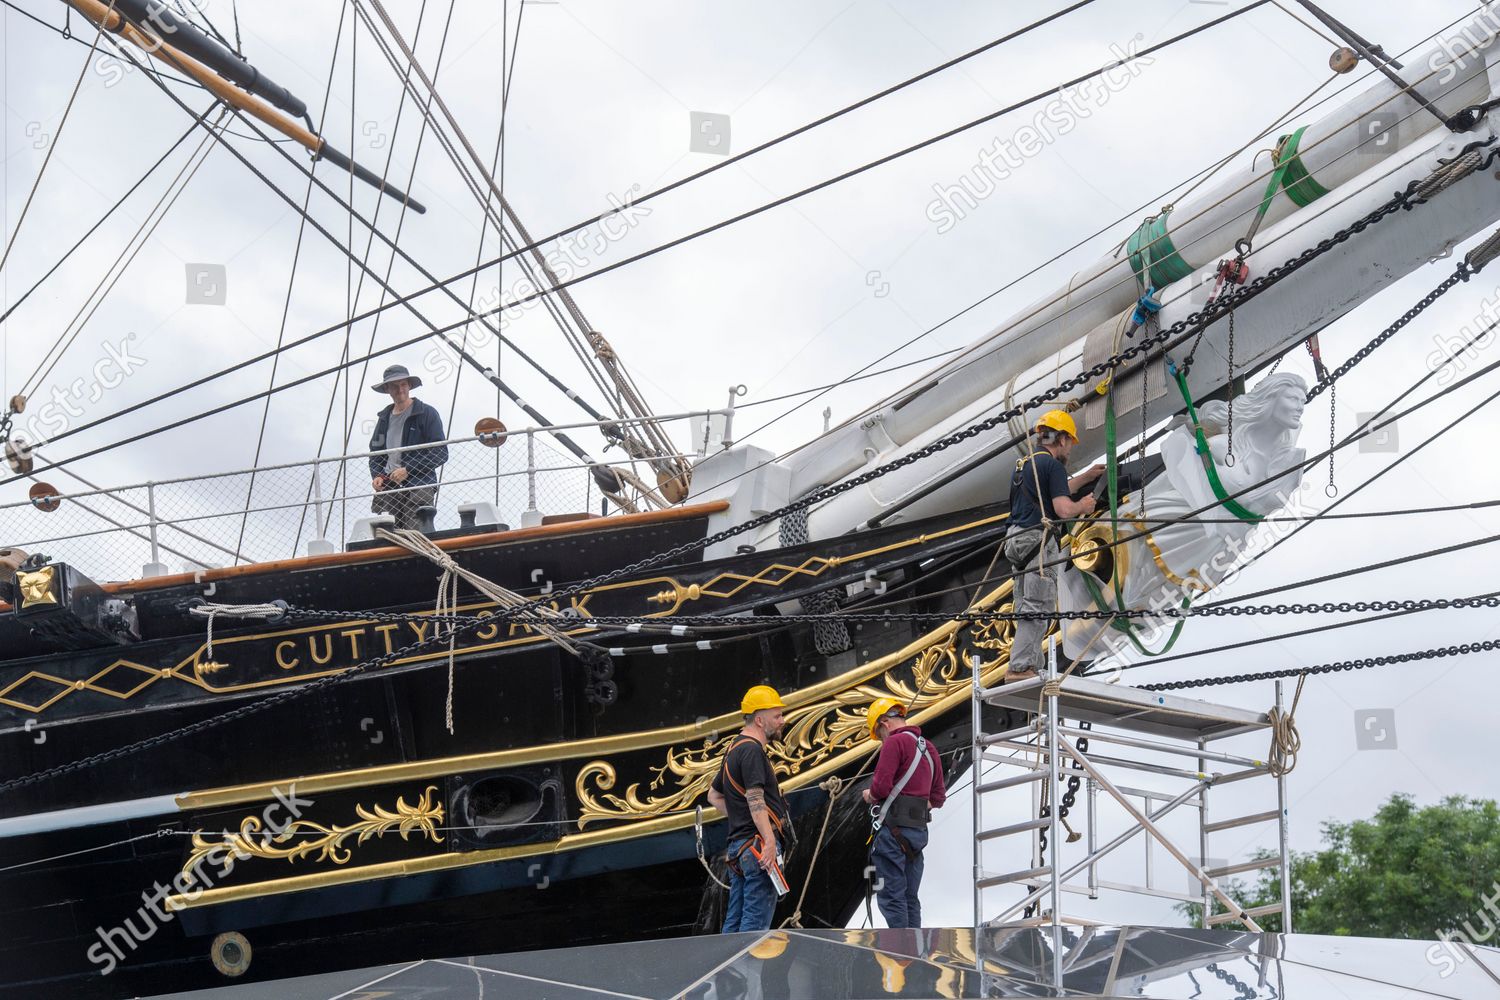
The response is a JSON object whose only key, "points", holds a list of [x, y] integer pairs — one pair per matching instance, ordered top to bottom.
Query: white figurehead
{"points": [[1187, 558]]}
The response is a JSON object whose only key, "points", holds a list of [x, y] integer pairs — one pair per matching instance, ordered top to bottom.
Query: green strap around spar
{"points": [[1291, 174], [1300, 185], [1153, 258], [1112, 467], [1209, 468]]}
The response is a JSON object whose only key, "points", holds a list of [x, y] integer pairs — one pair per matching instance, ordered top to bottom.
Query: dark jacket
{"points": [[423, 425]]}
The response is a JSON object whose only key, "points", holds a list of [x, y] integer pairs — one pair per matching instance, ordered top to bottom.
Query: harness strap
{"points": [[885, 807], [776, 820]]}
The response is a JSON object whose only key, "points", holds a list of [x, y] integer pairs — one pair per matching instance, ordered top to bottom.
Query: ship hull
{"points": [[348, 827]]}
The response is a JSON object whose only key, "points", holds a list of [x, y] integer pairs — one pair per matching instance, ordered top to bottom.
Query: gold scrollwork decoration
{"points": [[813, 733], [304, 838]]}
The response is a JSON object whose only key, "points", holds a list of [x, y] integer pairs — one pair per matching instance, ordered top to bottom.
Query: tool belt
{"points": [[1022, 546], [909, 811]]}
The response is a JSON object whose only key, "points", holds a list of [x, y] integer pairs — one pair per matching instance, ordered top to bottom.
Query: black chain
{"points": [[1405, 200], [1462, 273], [1209, 314], [1229, 398], [1333, 410], [922, 617], [1463, 649], [1229, 979]]}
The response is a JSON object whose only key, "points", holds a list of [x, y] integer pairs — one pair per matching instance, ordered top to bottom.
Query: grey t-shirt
{"points": [[393, 437]]}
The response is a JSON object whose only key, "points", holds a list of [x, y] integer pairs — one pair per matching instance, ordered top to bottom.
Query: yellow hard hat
{"points": [[1058, 420], [760, 697], [878, 710]]}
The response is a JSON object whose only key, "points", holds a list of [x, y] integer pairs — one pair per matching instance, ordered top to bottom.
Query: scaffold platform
{"points": [[1080, 734]]}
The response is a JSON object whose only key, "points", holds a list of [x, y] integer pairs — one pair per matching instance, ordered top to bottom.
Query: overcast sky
{"points": [[601, 106]]}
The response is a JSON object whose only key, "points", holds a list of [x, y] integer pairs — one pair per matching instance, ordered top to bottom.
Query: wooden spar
{"points": [[111, 20]]}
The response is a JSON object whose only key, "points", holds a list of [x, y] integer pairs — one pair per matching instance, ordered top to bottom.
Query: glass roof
{"points": [[928, 963]]}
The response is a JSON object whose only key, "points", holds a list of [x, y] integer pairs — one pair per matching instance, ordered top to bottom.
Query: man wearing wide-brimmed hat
{"points": [[405, 474]]}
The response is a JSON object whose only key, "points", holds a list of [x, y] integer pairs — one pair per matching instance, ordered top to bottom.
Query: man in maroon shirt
{"points": [[907, 786]]}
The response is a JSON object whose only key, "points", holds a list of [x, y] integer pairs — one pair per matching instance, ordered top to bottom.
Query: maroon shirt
{"points": [[896, 754]]}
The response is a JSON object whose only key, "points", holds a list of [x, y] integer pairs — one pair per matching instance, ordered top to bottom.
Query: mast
{"points": [[216, 60]]}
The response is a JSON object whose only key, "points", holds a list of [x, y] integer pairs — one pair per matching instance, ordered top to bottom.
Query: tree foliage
{"points": [[1407, 872]]}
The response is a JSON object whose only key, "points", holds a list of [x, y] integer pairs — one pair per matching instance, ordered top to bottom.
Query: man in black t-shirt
{"points": [[1040, 496], [746, 792]]}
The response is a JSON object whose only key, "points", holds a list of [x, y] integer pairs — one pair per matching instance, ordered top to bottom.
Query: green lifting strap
{"points": [[1290, 173], [1300, 185], [1153, 258], [1212, 471], [1122, 624]]}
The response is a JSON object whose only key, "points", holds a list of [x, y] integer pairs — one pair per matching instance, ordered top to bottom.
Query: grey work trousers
{"points": [[1035, 592]]}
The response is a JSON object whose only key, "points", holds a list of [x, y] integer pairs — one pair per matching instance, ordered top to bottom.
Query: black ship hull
{"points": [[349, 827]]}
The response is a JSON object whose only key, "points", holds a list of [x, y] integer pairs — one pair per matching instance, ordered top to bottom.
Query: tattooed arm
{"points": [[760, 814]]}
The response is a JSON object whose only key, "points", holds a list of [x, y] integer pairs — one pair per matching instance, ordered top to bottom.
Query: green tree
{"points": [[1406, 872]]}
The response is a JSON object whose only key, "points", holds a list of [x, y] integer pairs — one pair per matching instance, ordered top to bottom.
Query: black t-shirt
{"points": [[1053, 476], [747, 764]]}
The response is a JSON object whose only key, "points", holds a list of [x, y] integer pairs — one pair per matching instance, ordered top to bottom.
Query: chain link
{"points": [[1462, 273], [1229, 399], [925, 617], [1462, 649]]}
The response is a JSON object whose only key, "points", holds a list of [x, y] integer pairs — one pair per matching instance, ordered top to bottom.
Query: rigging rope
{"points": [[52, 146], [497, 167], [105, 217], [133, 246], [400, 301], [286, 303], [347, 433], [1286, 742]]}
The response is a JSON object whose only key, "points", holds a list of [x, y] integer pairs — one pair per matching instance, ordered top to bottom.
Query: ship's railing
{"points": [[280, 511]]}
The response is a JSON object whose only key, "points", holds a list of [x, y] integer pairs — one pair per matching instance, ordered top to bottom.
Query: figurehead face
{"points": [[1287, 408]]}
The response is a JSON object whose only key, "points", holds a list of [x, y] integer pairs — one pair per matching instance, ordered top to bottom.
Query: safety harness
{"points": [[1020, 481], [914, 813]]}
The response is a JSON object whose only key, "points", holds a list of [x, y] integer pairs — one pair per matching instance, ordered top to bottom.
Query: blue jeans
{"points": [[899, 876], [752, 897]]}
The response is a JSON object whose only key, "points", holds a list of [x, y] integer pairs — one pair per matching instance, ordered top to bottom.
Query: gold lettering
{"points": [[581, 605], [420, 628], [489, 631], [385, 633], [354, 635], [282, 647], [312, 647]]}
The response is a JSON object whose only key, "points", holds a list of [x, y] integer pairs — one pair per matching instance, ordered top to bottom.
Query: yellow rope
{"points": [[1286, 742], [834, 786]]}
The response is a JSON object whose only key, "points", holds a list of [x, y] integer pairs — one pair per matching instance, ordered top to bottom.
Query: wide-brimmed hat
{"points": [[396, 373]]}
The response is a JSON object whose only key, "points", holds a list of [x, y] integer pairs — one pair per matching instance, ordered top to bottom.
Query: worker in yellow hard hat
{"points": [[1041, 496], [907, 786], [746, 791]]}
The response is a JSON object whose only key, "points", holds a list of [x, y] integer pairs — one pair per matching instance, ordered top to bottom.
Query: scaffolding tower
{"points": [[1132, 723]]}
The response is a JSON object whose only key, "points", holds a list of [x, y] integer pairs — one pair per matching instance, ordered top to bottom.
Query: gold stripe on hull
{"points": [[571, 842]]}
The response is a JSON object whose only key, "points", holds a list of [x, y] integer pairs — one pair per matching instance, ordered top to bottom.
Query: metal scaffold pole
{"points": [[1144, 732], [1054, 811]]}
